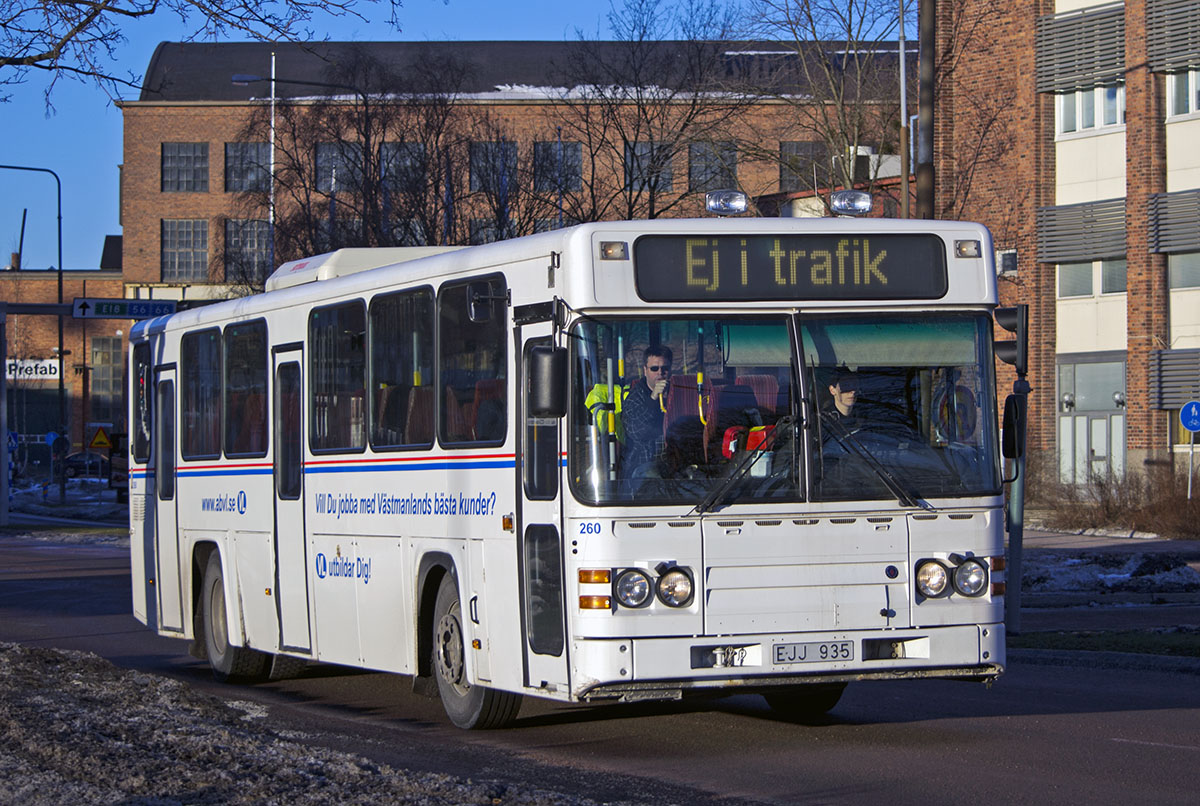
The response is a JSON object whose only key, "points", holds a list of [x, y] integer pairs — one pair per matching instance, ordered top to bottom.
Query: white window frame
{"points": [[1192, 79], [1093, 101]]}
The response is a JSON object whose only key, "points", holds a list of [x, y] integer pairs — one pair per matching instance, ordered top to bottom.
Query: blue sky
{"points": [[80, 139]]}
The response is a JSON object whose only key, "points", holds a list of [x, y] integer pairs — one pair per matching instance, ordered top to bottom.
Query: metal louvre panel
{"points": [[1172, 35], [1080, 50], [1175, 221], [1075, 232], [1174, 378]]}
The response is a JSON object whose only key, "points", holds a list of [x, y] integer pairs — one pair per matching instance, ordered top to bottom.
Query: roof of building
{"points": [[203, 71]]}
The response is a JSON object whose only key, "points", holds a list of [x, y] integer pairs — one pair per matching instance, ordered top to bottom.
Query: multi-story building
{"points": [[1070, 129], [466, 142]]}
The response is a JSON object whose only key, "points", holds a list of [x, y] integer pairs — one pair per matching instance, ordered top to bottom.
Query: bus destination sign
{"points": [[687, 268]]}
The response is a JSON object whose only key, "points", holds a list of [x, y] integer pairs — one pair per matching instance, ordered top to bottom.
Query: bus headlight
{"points": [[970, 578], [933, 580], [633, 588], [675, 588]]}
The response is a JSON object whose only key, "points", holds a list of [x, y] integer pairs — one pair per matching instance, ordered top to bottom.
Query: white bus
{"points": [[432, 462]]}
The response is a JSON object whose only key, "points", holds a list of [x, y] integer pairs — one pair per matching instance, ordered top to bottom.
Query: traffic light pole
{"points": [[1016, 407]]}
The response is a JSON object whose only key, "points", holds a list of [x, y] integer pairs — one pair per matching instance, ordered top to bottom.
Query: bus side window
{"points": [[473, 361]]}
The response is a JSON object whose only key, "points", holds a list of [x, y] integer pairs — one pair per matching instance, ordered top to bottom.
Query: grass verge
{"points": [[1180, 642]]}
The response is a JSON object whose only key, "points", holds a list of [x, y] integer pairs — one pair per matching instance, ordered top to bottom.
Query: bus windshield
{"points": [[904, 406], [707, 412]]}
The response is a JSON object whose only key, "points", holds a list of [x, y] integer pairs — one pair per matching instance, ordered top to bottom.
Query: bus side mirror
{"points": [[479, 302], [547, 382], [1012, 443]]}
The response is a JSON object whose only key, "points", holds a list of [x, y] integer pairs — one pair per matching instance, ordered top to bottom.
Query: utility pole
{"points": [[927, 16]]}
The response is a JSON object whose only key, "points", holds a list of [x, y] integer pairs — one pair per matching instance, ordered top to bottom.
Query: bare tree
{"points": [[79, 39], [839, 78], [639, 104], [381, 161]]}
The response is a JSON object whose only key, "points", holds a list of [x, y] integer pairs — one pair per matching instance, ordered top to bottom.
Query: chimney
{"points": [[14, 262]]}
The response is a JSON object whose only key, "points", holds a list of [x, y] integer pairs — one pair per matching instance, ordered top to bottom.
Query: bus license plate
{"points": [[813, 652]]}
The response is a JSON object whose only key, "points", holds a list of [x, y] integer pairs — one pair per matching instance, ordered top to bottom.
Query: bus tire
{"points": [[229, 663], [805, 702], [469, 707]]}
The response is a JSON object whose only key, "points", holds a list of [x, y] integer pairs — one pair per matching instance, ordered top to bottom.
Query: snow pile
{"points": [[1112, 573], [76, 729]]}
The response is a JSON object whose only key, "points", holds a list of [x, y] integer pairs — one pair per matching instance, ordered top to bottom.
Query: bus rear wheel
{"points": [[229, 663], [806, 702], [470, 707]]}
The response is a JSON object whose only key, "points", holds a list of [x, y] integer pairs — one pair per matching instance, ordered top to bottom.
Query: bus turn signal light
{"points": [[595, 576], [595, 603]]}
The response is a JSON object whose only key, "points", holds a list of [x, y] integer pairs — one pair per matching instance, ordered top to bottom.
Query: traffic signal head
{"points": [[1015, 320]]}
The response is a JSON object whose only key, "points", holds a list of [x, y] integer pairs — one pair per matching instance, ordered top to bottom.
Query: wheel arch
{"points": [[200, 554], [434, 566]]}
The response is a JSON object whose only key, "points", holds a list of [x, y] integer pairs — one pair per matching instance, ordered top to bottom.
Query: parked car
{"points": [[86, 464]]}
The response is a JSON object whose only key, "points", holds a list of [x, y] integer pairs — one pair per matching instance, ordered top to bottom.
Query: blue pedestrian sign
{"points": [[1189, 415]]}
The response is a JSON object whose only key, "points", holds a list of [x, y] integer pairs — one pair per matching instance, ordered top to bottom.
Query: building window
{"points": [[1183, 93], [1094, 108], [803, 165], [402, 166], [557, 166], [712, 166], [185, 167], [247, 167], [339, 167], [494, 167], [648, 167], [489, 230], [341, 232], [184, 250], [247, 250], [1183, 270], [1079, 279], [1075, 280], [106, 380]]}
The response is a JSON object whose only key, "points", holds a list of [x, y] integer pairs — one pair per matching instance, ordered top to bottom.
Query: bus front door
{"points": [[540, 537], [291, 561]]}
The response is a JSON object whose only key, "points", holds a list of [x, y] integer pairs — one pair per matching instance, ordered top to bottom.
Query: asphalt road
{"points": [[1043, 733]]}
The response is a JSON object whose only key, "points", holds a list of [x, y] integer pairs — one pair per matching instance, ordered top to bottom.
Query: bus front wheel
{"points": [[228, 662], [469, 706]]}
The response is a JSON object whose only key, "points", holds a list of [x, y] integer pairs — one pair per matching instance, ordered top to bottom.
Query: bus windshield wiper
{"points": [[851, 444], [717, 494]]}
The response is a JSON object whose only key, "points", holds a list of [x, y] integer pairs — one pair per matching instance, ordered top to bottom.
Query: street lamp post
{"points": [[243, 79], [62, 389]]}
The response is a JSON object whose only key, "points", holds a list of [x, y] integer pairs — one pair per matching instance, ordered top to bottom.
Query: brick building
{"points": [[1086, 116], [469, 142], [92, 363]]}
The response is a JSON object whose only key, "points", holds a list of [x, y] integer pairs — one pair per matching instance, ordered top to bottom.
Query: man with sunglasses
{"points": [[642, 412]]}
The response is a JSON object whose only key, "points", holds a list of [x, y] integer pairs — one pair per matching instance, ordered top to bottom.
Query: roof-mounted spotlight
{"points": [[726, 202], [850, 202]]}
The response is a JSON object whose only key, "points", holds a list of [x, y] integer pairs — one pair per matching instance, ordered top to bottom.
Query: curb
{"points": [[1050, 601], [1106, 660]]}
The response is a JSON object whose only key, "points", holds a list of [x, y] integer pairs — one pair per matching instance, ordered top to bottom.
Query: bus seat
{"points": [[766, 390], [389, 409], [488, 409], [418, 421], [456, 424], [252, 438]]}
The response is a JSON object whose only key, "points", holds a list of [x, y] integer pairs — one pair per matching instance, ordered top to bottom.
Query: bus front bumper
{"points": [[630, 670]]}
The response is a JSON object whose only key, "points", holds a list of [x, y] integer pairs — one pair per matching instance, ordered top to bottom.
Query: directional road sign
{"points": [[97, 308]]}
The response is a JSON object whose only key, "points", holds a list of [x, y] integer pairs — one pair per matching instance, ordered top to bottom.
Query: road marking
{"points": [[1158, 744]]}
